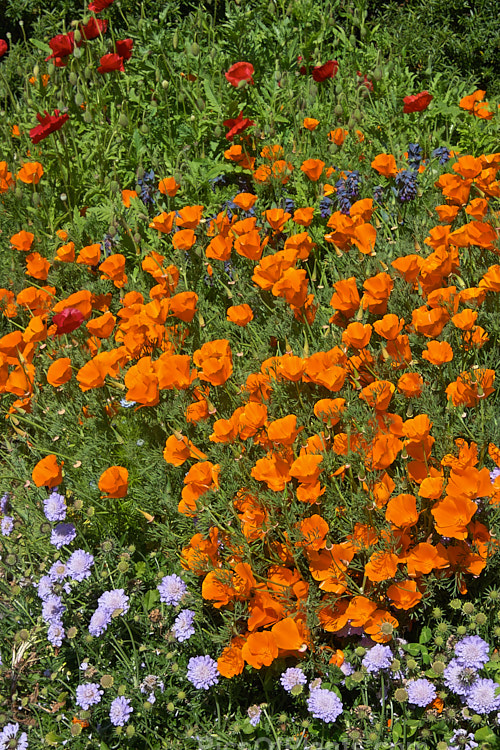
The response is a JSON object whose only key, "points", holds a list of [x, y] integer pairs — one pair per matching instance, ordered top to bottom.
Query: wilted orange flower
{"points": [[313, 168], [30, 173], [168, 186], [59, 372], [47, 472], [114, 482]]}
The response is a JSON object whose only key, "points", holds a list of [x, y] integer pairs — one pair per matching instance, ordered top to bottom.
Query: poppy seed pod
{"points": [[77, 36], [195, 49], [73, 78], [79, 100]]}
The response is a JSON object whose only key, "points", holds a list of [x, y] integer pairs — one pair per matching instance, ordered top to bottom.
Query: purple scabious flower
{"points": [[4, 503], [54, 507], [7, 525], [62, 534], [79, 565], [58, 571], [44, 587], [172, 589], [114, 600], [52, 609], [99, 622], [183, 625], [55, 634], [472, 651], [377, 658], [346, 668], [202, 672], [291, 677], [459, 679], [149, 685], [420, 692], [88, 694], [482, 697], [324, 704], [120, 711], [254, 713], [9, 738], [463, 740]]}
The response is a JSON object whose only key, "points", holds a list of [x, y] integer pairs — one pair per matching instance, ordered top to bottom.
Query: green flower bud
{"points": [[195, 49], [73, 78], [79, 99], [87, 117], [123, 120], [123, 566], [455, 604], [468, 608], [480, 618], [461, 630], [439, 641], [360, 651], [411, 663], [438, 666], [107, 681], [401, 695], [75, 730], [130, 730]]}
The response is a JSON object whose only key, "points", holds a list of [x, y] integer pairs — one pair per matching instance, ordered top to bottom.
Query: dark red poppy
{"points": [[97, 5], [93, 28], [62, 46], [3, 47], [124, 48], [111, 62], [327, 70], [240, 71], [417, 102], [48, 124], [237, 125], [68, 320]]}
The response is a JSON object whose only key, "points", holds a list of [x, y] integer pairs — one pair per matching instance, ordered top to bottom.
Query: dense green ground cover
{"points": [[248, 339]]}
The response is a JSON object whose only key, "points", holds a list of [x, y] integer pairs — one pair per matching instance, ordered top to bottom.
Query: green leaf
{"points": [[41, 45], [211, 97], [151, 598], [425, 635], [397, 732], [485, 734], [53, 739]]}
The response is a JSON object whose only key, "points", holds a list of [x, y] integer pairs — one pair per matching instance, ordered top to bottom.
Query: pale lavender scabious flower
{"points": [[494, 474], [4, 503], [54, 507], [7, 525], [62, 534], [79, 565], [58, 571], [44, 587], [172, 589], [114, 600], [52, 609], [99, 622], [183, 625], [55, 634], [472, 651], [377, 658], [346, 668], [202, 672], [291, 677], [459, 679], [420, 692], [88, 694], [482, 698], [324, 704], [120, 711], [254, 713], [9, 738], [463, 740]]}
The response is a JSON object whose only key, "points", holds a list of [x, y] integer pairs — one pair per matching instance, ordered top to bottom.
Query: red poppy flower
{"points": [[97, 5], [93, 28], [62, 46], [3, 47], [124, 48], [111, 62], [327, 70], [240, 71], [417, 102], [48, 124], [237, 125], [68, 320]]}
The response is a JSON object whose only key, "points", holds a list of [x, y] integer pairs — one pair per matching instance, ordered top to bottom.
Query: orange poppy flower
{"points": [[468, 102], [309, 123], [338, 136], [385, 164], [313, 168], [30, 173], [5, 177], [168, 186], [128, 196], [245, 201], [477, 208], [447, 213], [303, 216], [189, 217], [163, 222], [184, 239], [22, 240], [301, 244], [249, 246], [66, 253], [89, 255], [37, 266], [113, 268], [292, 286], [346, 296], [8, 307], [240, 315], [102, 326], [357, 335], [438, 352], [215, 360], [290, 367], [59, 372], [410, 384], [378, 394], [329, 410], [283, 431], [178, 449], [306, 468], [273, 470], [47, 472], [200, 479], [114, 481], [401, 511], [451, 516], [314, 530], [201, 554], [381, 566], [216, 588], [359, 609], [333, 618], [380, 626], [288, 636], [260, 649], [231, 663]]}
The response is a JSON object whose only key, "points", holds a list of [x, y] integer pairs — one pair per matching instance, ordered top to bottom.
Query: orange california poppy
{"points": [[309, 123], [385, 164], [313, 168], [30, 173], [168, 186], [128, 196], [245, 201], [304, 216], [163, 222], [184, 239], [22, 240], [249, 245], [66, 253], [89, 255], [37, 266], [113, 268], [240, 315], [357, 335], [438, 352], [215, 360], [59, 372], [410, 384], [378, 394], [330, 410], [283, 431], [47, 472], [114, 482], [401, 511], [451, 516], [314, 530], [381, 566], [380, 626], [260, 649], [231, 663]]}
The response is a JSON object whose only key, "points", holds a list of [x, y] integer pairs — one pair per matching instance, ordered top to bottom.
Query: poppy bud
{"points": [[77, 35], [175, 39], [352, 40], [195, 49], [77, 52], [51, 68], [36, 71], [87, 72], [377, 74], [73, 78], [164, 85], [79, 99], [200, 104], [339, 111], [357, 115], [87, 117], [123, 120], [217, 131], [114, 186], [36, 199]]}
